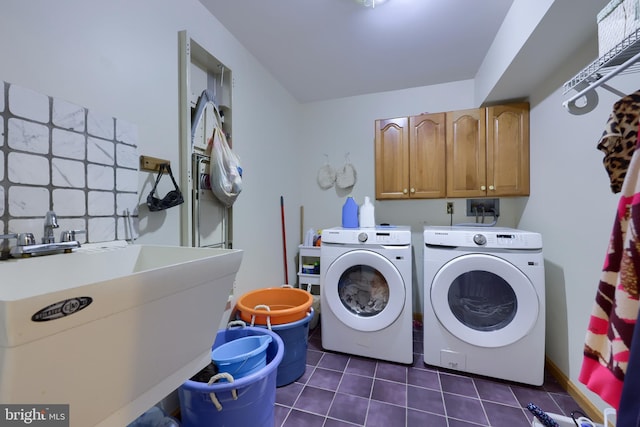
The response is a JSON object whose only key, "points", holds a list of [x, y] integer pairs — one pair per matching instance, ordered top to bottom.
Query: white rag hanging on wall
{"points": [[326, 175], [346, 177]]}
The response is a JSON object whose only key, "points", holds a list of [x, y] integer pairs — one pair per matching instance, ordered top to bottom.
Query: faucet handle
{"points": [[70, 235], [22, 239], [25, 239]]}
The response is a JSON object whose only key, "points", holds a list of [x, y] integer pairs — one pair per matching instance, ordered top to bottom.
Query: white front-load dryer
{"points": [[366, 292], [484, 302]]}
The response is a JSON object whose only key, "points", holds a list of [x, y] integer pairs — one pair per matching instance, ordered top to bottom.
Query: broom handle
{"points": [[284, 242]]}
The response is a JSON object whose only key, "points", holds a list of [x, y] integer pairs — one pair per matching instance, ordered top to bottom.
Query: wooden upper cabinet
{"points": [[508, 150], [488, 151], [482, 152], [466, 153], [410, 157], [392, 158], [427, 167]]}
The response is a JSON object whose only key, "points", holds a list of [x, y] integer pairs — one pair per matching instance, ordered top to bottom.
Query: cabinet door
{"points": [[508, 150], [466, 153], [392, 158], [427, 171]]}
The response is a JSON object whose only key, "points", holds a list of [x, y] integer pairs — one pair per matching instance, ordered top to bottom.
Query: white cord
{"points": [[264, 307], [213, 397]]}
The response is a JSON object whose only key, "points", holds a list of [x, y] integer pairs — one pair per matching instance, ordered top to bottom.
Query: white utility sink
{"points": [[109, 329]]}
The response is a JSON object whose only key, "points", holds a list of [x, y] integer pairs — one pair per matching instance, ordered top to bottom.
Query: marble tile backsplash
{"points": [[56, 155]]}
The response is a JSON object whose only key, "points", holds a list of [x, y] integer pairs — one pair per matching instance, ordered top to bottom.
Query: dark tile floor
{"points": [[339, 390]]}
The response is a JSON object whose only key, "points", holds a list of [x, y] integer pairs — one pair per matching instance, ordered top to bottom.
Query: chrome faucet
{"points": [[50, 222], [26, 245]]}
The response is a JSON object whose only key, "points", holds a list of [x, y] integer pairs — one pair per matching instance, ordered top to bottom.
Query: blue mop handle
{"points": [[542, 416]]}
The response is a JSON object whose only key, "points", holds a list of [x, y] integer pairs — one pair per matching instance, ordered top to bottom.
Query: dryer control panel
{"points": [[485, 237]]}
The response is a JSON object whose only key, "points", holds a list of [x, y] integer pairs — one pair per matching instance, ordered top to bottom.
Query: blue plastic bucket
{"points": [[295, 336], [243, 356], [256, 392]]}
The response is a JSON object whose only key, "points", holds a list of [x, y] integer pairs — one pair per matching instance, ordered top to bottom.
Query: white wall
{"points": [[521, 21]]}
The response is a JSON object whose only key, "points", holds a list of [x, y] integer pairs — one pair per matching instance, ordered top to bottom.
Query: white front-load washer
{"points": [[366, 292], [484, 302]]}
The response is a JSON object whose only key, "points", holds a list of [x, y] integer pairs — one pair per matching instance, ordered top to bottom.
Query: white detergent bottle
{"points": [[367, 216], [308, 238]]}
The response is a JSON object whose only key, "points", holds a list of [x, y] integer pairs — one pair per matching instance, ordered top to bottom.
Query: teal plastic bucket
{"points": [[295, 336], [243, 356], [248, 401]]}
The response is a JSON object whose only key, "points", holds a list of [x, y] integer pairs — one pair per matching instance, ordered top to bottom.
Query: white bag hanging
{"points": [[224, 169], [326, 175], [346, 177]]}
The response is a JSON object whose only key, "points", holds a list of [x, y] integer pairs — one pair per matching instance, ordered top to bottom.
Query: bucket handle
{"points": [[264, 307], [239, 323], [212, 395]]}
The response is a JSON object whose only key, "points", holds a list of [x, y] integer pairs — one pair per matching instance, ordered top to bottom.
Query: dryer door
{"points": [[364, 290], [484, 300]]}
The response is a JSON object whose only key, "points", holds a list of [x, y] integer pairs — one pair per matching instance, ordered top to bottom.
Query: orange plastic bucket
{"points": [[286, 305]]}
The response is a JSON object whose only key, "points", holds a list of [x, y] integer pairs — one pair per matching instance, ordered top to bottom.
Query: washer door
{"points": [[364, 290], [484, 300]]}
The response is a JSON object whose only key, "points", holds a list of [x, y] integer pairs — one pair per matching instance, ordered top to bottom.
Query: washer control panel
{"points": [[391, 235]]}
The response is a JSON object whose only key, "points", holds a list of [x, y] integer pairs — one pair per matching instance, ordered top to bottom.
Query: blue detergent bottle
{"points": [[350, 213]]}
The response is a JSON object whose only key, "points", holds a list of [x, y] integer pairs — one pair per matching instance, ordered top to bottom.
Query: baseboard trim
{"points": [[581, 399]]}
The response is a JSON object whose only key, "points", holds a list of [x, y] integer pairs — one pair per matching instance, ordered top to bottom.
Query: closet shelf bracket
{"points": [[625, 57]]}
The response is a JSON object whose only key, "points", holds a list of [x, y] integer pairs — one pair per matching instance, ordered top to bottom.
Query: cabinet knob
{"points": [[483, 187], [491, 187], [413, 190], [404, 191]]}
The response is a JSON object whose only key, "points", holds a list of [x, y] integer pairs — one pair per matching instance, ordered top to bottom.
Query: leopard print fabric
{"points": [[619, 139]]}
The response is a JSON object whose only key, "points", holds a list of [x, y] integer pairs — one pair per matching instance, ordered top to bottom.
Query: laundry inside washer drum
{"points": [[363, 290]]}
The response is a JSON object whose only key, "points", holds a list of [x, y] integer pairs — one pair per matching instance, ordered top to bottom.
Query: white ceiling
{"points": [[326, 49]]}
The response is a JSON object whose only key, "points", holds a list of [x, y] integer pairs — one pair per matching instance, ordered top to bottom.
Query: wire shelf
{"points": [[623, 58], [609, 63]]}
